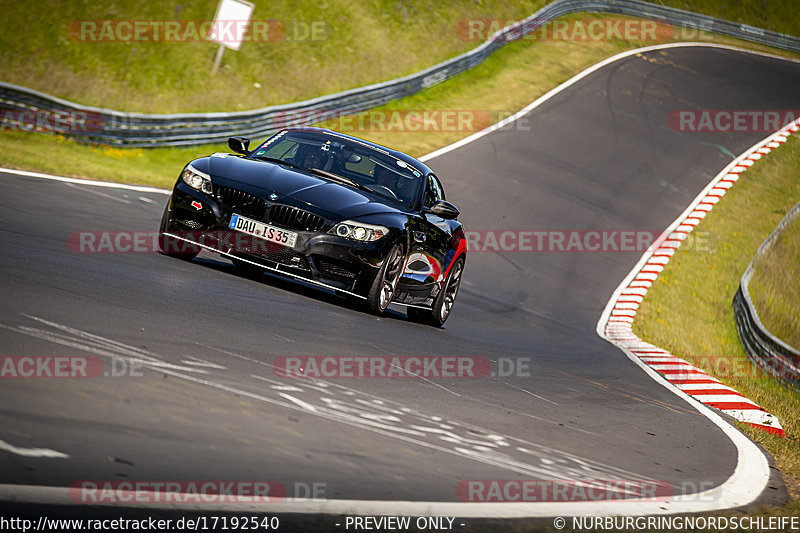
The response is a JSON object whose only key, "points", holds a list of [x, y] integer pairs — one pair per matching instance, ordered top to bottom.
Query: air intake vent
{"points": [[242, 203], [290, 217], [335, 269]]}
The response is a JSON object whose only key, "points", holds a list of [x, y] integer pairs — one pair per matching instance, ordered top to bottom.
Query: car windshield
{"points": [[370, 168]]}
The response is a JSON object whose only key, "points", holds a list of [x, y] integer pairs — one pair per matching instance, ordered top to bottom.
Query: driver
{"points": [[313, 160], [385, 178]]}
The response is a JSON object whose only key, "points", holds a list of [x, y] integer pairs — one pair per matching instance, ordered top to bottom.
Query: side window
{"points": [[284, 149], [433, 191]]}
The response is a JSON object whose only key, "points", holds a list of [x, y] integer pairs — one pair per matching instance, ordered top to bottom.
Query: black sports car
{"points": [[334, 210]]}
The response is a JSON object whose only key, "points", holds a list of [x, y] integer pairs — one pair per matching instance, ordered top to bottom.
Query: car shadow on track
{"points": [[298, 287]]}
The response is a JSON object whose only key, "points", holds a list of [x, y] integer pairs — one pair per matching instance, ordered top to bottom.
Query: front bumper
{"points": [[317, 256]]}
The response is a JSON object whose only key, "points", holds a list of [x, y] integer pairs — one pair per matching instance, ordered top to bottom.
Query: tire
{"points": [[174, 247], [382, 290], [443, 304]]}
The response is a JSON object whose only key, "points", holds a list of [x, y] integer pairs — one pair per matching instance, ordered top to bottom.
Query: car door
{"points": [[430, 239]]}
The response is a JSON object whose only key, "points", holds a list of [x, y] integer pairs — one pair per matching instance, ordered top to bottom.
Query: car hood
{"points": [[265, 177]]}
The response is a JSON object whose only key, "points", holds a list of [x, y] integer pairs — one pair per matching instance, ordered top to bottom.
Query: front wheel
{"points": [[382, 290], [443, 304]]}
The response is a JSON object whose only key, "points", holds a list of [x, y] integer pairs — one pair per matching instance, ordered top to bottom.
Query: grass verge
{"points": [[312, 48], [507, 81], [158, 167], [704, 281], [775, 286]]}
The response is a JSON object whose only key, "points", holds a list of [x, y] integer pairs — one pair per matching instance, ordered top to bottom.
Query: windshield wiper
{"points": [[276, 160], [339, 177]]}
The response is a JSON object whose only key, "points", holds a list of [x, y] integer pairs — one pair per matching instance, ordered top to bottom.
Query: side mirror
{"points": [[239, 145], [444, 210]]}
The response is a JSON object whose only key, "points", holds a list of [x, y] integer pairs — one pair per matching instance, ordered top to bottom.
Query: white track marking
{"points": [[79, 181], [98, 193], [75, 338], [196, 361], [204, 364], [528, 392], [303, 405], [46, 453]]}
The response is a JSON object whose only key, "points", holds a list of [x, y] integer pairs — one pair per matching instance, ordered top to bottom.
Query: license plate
{"points": [[262, 230]]}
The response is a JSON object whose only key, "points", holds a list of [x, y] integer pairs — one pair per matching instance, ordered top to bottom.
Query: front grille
{"points": [[241, 202], [290, 217], [330, 268]]}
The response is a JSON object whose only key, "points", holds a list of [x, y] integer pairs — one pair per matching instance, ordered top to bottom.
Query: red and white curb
{"points": [[617, 321]]}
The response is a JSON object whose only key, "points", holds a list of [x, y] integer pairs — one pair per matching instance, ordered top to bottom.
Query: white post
{"points": [[218, 59]]}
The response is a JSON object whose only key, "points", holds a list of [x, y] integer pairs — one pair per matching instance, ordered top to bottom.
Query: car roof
{"points": [[419, 165]]}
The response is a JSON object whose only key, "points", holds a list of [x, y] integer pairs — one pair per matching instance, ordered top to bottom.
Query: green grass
{"points": [[781, 16], [359, 43], [508, 80], [51, 154], [705, 282], [775, 286]]}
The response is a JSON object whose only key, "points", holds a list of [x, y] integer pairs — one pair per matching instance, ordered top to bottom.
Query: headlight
{"points": [[197, 180], [359, 231]]}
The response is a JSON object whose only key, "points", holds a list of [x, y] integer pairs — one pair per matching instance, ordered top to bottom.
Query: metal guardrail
{"points": [[116, 128], [765, 349]]}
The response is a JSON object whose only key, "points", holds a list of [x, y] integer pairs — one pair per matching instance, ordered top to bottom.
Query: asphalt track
{"points": [[208, 406]]}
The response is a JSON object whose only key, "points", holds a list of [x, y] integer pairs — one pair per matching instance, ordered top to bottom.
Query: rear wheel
{"points": [[170, 245], [382, 290], [443, 304]]}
